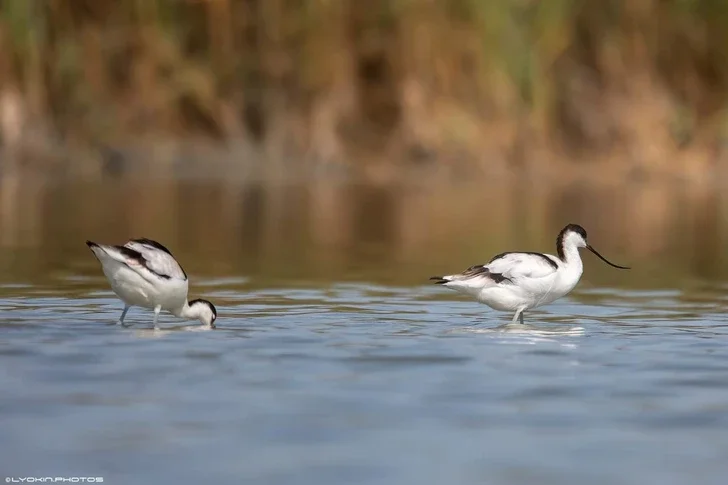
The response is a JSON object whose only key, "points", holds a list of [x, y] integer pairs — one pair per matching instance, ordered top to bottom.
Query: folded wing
{"points": [[157, 258], [515, 266]]}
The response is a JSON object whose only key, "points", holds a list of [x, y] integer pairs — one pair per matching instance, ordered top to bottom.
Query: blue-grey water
{"points": [[335, 362], [354, 383]]}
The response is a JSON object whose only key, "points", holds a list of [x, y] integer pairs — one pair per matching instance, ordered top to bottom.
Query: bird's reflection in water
{"points": [[529, 334]]}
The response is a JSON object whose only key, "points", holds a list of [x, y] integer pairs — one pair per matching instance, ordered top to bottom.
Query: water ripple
{"points": [[366, 383]]}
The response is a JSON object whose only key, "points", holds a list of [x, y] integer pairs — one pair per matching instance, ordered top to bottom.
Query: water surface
{"points": [[334, 362], [352, 383]]}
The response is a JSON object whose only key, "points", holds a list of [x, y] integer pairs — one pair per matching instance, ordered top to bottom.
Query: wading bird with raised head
{"points": [[144, 273], [518, 282]]}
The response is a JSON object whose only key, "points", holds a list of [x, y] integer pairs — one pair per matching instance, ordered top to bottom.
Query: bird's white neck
{"points": [[571, 257], [572, 267], [201, 310], [188, 313]]}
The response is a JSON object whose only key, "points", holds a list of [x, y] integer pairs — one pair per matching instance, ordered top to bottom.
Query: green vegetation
{"points": [[409, 79]]}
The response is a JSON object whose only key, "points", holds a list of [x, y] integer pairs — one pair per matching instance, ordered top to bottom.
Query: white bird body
{"points": [[144, 273], [520, 281], [135, 290]]}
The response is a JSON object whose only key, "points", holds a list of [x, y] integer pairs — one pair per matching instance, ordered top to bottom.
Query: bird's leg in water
{"points": [[123, 315], [518, 316]]}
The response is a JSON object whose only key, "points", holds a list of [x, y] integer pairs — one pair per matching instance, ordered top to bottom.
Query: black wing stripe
{"points": [[152, 243], [156, 245], [130, 253], [137, 256], [550, 261], [480, 270]]}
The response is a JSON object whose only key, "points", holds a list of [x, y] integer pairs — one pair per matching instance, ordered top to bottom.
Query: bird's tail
{"points": [[94, 247], [104, 252], [440, 280]]}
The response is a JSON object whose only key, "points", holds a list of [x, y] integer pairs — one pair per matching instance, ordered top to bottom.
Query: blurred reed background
{"points": [[481, 84], [214, 99]]}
